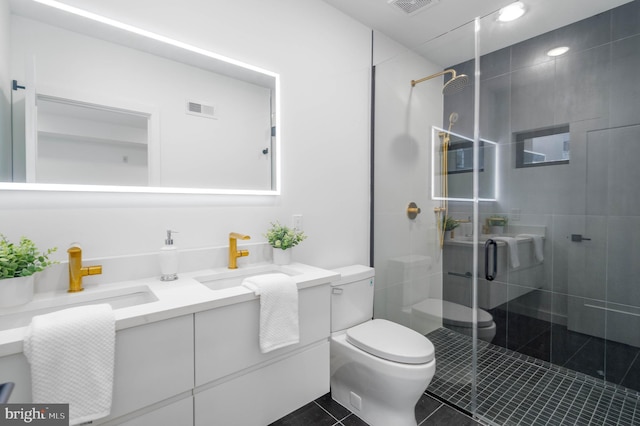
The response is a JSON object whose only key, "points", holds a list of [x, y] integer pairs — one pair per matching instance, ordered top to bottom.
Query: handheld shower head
{"points": [[454, 85], [453, 117]]}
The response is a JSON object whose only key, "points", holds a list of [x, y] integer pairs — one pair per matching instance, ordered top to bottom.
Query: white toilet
{"points": [[427, 312], [456, 317], [379, 369]]}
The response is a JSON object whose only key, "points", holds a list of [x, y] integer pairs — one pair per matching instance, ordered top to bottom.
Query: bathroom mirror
{"points": [[103, 106], [459, 168]]}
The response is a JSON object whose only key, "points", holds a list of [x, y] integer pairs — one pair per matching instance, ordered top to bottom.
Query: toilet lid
{"points": [[452, 313], [391, 341]]}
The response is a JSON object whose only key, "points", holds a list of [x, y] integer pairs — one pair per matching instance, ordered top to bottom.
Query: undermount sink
{"points": [[234, 278], [20, 316]]}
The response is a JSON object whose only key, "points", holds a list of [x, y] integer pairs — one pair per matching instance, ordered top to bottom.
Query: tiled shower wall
{"points": [[593, 286]]}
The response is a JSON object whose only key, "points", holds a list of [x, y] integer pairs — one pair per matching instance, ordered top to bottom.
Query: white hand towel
{"points": [[512, 243], [537, 245], [278, 309], [72, 353]]}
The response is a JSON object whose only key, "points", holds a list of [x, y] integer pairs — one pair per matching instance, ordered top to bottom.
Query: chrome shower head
{"points": [[457, 82]]}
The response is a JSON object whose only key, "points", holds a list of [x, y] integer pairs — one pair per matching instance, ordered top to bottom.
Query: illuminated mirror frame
{"points": [[435, 149], [163, 190]]}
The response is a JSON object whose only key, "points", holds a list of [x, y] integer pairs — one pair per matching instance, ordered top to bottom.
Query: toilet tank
{"points": [[352, 297]]}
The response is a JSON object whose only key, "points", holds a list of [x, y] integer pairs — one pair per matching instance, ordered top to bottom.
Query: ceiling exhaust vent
{"points": [[411, 7], [200, 109]]}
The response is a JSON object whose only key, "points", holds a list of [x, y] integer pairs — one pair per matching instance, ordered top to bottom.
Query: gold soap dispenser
{"points": [[169, 259]]}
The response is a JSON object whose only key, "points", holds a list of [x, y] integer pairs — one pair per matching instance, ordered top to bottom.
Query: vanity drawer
{"points": [[226, 338]]}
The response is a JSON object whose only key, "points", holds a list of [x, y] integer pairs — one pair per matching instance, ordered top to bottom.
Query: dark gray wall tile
{"points": [[625, 20], [585, 34], [533, 51], [495, 63], [582, 85], [625, 90], [532, 97]]}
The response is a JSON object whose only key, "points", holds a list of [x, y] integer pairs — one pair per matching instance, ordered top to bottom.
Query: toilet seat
{"points": [[453, 313], [391, 341]]}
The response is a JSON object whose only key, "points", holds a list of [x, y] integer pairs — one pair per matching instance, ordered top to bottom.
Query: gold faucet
{"points": [[234, 253], [76, 271]]}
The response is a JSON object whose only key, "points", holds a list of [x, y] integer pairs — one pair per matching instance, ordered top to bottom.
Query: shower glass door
{"points": [[423, 229], [565, 299]]}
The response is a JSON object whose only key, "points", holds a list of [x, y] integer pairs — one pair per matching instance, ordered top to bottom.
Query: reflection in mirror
{"points": [[203, 122], [85, 144], [459, 167]]}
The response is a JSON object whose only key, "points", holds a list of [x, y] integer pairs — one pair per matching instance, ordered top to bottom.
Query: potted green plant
{"points": [[497, 224], [448, 225], [282, 238], [18, 264]]}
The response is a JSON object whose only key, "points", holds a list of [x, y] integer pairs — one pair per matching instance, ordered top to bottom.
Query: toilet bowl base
{"points": [[378, 391]]}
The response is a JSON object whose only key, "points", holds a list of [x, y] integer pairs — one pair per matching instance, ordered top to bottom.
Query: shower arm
{"points": [[453, 72]]}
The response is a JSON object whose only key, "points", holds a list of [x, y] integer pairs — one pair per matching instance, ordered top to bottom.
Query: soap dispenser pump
{"points": [[169, 259]]}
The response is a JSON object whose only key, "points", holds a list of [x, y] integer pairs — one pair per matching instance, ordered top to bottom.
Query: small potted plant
{"points": [[497, 224], [448, 225], [282, 238], [18, 264]]}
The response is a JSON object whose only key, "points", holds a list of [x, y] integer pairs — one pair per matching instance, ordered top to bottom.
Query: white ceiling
{"points": [[443, 32]]}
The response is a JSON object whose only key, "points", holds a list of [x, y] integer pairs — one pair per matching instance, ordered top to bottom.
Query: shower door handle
{"points": [[494, 271]]}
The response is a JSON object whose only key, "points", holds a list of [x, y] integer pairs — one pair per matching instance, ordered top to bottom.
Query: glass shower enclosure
{"points": [[532, 163]]}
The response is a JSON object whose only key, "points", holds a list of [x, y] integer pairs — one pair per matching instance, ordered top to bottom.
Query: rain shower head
{"points": [[454, 85]]}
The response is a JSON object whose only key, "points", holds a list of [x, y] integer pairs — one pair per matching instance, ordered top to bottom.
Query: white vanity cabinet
{"points": [[154, 362], [236, 384]]}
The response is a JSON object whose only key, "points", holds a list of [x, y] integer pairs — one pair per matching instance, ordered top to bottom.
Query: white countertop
{"points": [[468, 240], [183, 296]]}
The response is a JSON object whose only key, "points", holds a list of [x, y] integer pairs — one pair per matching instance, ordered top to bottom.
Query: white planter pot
{"points": [[497, 229], [281, 257], [16, 291]]}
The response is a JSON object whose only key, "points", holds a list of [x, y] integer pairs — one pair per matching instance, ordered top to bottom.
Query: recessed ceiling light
{"points": [[511, 12], [558, 51]]}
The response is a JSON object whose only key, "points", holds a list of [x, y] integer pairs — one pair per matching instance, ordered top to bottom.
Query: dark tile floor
{"points": [[604, 359], [513, 389], [324, 411]]}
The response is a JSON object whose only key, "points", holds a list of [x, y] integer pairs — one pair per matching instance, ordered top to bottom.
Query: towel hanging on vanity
{"points": [[512, 243], [537, 245], [278, 309], [72, 355]]}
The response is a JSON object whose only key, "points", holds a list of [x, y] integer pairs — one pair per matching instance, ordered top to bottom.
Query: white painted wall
{"points": [[323, 58]]}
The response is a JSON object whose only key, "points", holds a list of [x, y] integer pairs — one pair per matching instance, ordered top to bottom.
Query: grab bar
{"points": [[490, 276]]}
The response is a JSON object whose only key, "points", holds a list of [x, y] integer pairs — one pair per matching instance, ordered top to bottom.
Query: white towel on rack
{"points": [[512, 243], [537, 245], [278, 309], [72, 354]]}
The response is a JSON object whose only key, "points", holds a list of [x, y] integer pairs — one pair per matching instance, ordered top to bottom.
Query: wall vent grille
{"points": [[411, 7], [200, 109]]}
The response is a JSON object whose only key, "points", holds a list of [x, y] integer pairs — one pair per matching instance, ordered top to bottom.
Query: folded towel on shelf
{"points": [[512, 243], [537, 245], [278, 309], [72, 355]]}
